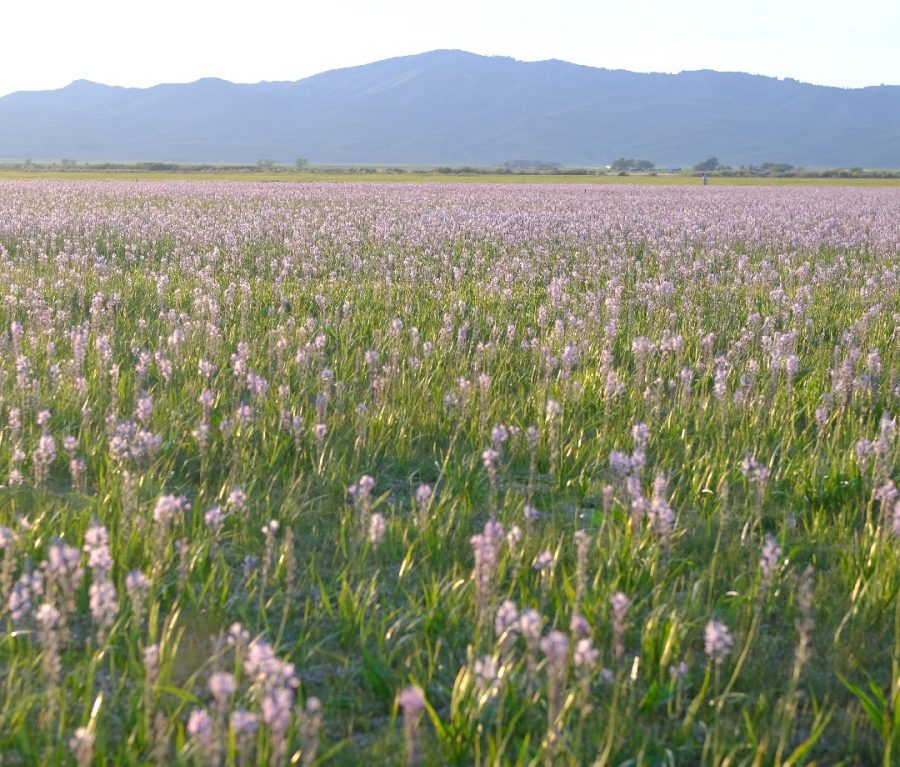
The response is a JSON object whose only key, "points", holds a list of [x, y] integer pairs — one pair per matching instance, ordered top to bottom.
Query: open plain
{"points": [[448, 473]]}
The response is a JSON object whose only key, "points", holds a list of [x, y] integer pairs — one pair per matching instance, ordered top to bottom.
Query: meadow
{"points": [[448, 474]]}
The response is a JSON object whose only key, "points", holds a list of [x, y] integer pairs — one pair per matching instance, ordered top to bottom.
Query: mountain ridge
{"points": [[451, 107]]}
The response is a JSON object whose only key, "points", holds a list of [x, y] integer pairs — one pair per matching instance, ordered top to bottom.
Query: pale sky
{"points": [[47, 44]]}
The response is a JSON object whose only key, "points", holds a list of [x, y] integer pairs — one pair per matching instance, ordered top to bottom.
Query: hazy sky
{"points": [[134, 42]]}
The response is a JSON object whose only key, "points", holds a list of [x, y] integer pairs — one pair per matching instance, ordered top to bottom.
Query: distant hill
{"points": [[455, 108]]}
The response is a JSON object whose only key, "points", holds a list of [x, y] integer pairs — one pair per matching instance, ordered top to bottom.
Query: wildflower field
{"points": [[446, 474]]}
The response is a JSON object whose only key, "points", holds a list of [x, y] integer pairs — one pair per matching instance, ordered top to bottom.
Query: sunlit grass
{"points": [[420, 177], [283, 343]]}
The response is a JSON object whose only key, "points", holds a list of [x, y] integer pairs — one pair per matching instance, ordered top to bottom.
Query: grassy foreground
{"points": [[448, 474]]}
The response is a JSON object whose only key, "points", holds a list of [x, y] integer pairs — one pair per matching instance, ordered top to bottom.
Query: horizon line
{"points": [[785, 78]]}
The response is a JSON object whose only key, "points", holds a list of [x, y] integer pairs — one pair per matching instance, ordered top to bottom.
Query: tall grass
{"points": [[448, 475]]}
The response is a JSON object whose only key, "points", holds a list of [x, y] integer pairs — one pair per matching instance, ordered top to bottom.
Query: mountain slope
{"points": [[451, 107]]}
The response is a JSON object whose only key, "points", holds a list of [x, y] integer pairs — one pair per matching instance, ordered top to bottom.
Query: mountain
{"points": [[454, 108]]}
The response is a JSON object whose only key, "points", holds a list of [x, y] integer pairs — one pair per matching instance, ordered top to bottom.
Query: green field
{"points": [[436, 178], [448, 474]]}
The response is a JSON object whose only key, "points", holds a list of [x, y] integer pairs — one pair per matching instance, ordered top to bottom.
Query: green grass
{"points": [[416, 177], [188, 278]]}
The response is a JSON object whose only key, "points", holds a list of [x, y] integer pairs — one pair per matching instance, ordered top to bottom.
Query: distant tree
{"points": [[265, 163], [300, 163], [629, 163], [711, 163], [531, 165], [776, 167]]}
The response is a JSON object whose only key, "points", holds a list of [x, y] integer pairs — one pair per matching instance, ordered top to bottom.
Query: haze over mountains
{"points": [[457, 108]]}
